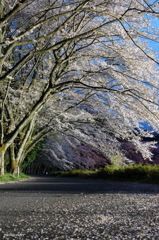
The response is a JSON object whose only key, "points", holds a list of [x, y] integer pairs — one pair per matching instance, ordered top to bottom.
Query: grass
{"points": [[134, 173], [8, 177]]}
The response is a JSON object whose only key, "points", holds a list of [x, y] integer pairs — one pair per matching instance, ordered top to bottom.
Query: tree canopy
{"points": [[64, 63]]}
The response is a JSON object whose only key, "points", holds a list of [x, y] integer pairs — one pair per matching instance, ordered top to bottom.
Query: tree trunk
{"points": [[2, 153], [13, 161], [15, 166]]}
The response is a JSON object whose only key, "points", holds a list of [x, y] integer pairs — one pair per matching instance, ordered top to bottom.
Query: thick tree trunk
{"points": [[2, 153], [18, 158], [13, 161], [16, 161], [15, 166]]}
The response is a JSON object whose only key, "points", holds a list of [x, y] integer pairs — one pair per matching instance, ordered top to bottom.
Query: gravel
{"points": [[68, 209]]}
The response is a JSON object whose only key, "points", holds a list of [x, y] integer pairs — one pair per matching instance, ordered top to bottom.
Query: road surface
{"points": [[55, 208]]}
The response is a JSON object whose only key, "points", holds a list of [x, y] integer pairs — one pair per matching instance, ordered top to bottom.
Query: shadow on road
{"points": [[47, 184]]}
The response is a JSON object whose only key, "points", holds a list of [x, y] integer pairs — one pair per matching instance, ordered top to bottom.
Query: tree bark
{"points": [[2, 153], [13, 161], [15, 166]]}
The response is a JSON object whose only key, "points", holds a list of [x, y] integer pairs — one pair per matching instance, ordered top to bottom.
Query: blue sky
{"points": [[155, 45]]}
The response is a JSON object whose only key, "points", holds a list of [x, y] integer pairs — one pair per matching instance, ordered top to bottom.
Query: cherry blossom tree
{"points": [[55, 55]]}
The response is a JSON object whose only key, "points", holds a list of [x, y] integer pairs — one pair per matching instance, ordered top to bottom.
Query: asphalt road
{"points": [[67, 209]]}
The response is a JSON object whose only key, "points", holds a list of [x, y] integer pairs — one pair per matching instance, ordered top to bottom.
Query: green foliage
{"points": [[32, 155], [116, 160], [135, 173], [8, 177]]}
